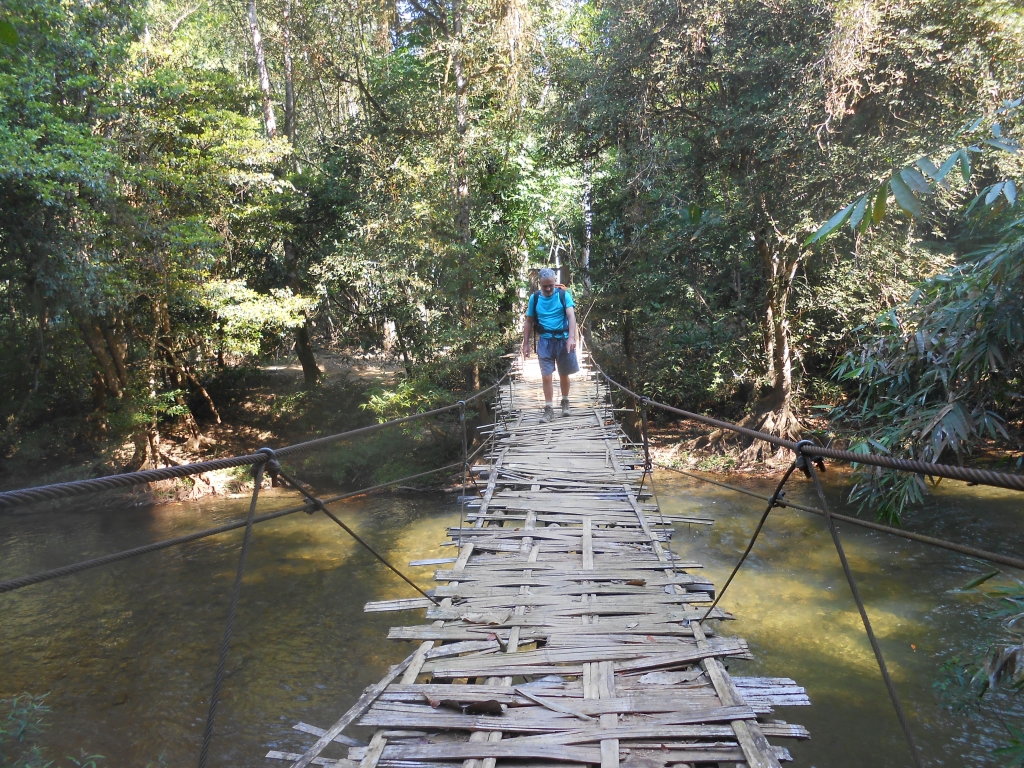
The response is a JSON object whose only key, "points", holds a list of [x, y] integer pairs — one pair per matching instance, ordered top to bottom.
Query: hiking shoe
{"points": [[565, 407], [549, 414]]}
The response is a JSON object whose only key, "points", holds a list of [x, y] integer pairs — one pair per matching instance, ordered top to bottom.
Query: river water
{"points": [[128, 652]]}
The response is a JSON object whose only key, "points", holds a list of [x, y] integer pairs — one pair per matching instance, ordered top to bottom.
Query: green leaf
{"points": [[8, 34], [1006, 146], [965, 165], [947, 166], [928, 167], [915, 180], [1010, 191], [993, 193], [904, 197], [878, 211], [858, 212], [830, 226], [979, 581]]}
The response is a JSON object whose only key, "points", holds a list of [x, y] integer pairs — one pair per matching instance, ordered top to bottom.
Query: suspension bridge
{"points": [[564, 631]]}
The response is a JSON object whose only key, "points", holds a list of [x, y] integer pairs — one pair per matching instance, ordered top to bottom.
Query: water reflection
{"points": [[794, 607], [129, 650]]}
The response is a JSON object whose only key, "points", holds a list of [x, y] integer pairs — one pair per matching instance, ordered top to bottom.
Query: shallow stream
{"points": [[128, 652]]}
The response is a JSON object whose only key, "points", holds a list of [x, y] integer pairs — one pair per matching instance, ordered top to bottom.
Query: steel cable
{"points": [[809, 467], [649, 471], [952, 472], [73, 488], [772, 503], [321, 505], [952, 546], [85, 565], [229, 624]]}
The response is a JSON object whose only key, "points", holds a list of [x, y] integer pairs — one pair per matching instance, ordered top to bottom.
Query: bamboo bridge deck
{"points": [[566, 629]]}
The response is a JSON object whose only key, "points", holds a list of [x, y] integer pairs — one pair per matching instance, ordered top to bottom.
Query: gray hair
{"points": [[547, 274]]}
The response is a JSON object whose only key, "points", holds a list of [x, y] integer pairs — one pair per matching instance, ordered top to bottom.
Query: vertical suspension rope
{"points": [[809, 468], [465, 469], [649, 470], [773, 501], [229, 624]]}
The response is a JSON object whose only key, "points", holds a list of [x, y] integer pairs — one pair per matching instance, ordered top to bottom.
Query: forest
{"points": [[798, 214]]}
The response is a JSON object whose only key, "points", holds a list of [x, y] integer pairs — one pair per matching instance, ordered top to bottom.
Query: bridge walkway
{"points": [[566, 630]]}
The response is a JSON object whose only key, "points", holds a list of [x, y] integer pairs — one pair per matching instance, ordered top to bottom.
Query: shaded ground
{"points": [[258, 406]]}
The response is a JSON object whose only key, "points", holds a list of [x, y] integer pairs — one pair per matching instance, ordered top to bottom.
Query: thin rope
{"points": [[808, 466], [465, 470], [950, 471], [772, 502], [321, 505], [952, 546], [85, 565], [229, 624]]}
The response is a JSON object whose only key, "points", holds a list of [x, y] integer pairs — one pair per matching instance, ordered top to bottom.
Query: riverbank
{"points": [[255, 406]]}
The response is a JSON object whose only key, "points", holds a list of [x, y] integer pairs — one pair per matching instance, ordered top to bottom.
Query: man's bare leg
{"points": [[564, 382], [549, 393]]}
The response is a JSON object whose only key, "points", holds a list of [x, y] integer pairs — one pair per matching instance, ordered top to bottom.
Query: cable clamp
{"points": [[801, 458], [271, 466]]}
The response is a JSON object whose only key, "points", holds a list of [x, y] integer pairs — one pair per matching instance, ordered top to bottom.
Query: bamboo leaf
{"points": [[1006, 146], [965, 165], [947, 166], [927, 167], [915, 180], [1010, 191], [993, 193], [905, 198], [878, 210], [858, 212], [830, 226], [979, 581]]}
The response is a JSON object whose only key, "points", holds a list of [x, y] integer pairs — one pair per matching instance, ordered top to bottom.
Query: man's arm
{"points": [[527, 325], [570, 343]]}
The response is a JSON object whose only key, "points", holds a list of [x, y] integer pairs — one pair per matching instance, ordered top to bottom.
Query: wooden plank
{"points": [[560, 548], [405, 604], [357, 709], [340, 739], [755, 746]]}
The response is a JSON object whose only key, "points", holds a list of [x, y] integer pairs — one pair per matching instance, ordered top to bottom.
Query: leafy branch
{"points": [[923, 177]]}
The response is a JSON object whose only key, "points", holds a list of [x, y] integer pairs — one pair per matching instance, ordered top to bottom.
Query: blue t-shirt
{"points": [[548, 310]]}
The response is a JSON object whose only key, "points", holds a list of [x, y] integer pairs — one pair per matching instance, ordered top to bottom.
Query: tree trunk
{"points": [[289, 83], [269, 121], [462, 211], [588, 222], [463, 230], [303, 335], [303, 342], [109, 371], [773, 413]]}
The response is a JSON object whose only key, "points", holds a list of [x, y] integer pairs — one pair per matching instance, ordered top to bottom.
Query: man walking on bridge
{"points": [[552, 316]]}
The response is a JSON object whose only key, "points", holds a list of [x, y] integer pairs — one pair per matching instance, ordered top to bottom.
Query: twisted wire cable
{"points": [[950, 471]]}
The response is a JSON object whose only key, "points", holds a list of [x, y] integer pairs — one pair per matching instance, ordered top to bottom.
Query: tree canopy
{"points": [[764, 209]]}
